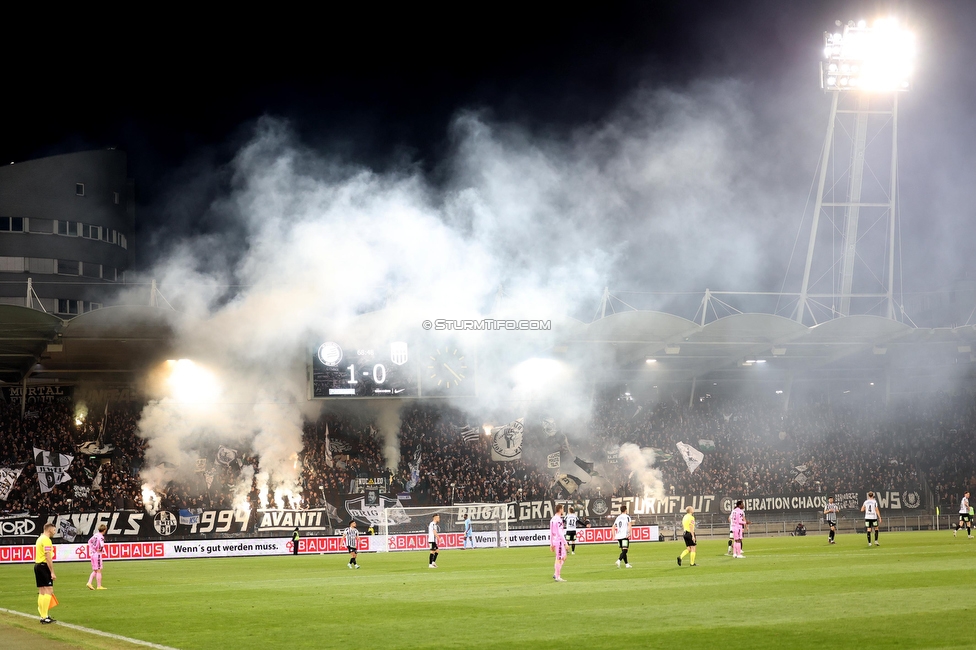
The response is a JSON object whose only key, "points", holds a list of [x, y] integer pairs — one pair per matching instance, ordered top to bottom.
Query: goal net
{"points": [[489, 525]]}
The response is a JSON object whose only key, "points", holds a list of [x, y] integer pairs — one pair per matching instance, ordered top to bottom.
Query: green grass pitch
{"points": [[918, 590]]}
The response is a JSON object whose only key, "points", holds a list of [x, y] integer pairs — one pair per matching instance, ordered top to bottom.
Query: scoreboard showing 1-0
{"points": [[396, 369], [366, 371]]}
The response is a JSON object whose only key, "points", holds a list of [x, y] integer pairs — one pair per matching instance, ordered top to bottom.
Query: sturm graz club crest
{"points": [[330, 354], [911, 499], [599, 506], [165, 522]]}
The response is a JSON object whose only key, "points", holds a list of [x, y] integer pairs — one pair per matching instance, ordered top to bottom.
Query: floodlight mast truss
{"points": [[864, 70]]}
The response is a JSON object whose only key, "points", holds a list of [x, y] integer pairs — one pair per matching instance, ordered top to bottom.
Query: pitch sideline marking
{"points": [[117, 637]]}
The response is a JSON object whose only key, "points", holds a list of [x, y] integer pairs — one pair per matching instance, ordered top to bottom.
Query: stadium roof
{"points": [[111, 341], [686, 349]]}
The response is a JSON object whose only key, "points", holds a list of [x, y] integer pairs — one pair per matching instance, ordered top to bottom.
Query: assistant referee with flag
{"points": [[44, 573]]}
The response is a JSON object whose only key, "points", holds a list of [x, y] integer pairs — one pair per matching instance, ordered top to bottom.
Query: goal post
{"points": [[489, 522]]}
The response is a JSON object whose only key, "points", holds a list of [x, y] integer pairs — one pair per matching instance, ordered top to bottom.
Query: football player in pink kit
{"points": [[738, 525], [557, 541], [96, 549]]}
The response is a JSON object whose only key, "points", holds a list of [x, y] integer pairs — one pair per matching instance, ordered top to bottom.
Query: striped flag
{"points": [[470, 434], [328, 449]]}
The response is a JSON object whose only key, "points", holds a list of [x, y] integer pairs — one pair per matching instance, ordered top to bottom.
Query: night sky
{"points": [[379, 87]]}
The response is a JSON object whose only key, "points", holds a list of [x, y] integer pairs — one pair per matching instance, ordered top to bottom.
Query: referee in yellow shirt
{"points": [[688, 523], [44, 573]]}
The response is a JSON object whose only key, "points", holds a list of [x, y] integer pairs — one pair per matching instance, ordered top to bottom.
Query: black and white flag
{"points": [[549, 426], [469, 433], [506, 441], [328, 449], [226, 456], [693, 457], [552, 460], [52, 468], [8, 476], [568, 482], [66, 530]]}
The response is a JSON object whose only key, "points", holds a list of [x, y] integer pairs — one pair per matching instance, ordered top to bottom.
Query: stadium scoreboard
{"points": [[389, 369]]}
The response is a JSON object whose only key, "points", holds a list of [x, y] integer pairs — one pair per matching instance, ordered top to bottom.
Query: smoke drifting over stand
{"points": [[522, 226]]}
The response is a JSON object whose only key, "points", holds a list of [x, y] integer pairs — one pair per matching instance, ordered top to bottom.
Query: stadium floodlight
{"points": [[880, 58], [189, 382]]}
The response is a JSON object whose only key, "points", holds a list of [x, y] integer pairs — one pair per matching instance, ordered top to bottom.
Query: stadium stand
{"points": [[757, 450]]}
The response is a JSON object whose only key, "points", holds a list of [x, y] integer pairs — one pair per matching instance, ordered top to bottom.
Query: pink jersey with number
{"points": [[738, 520], [556, 534], [96, 548]]}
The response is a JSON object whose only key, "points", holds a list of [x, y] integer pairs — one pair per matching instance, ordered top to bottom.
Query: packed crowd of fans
{"points": [[759, 449], [97, 482]]}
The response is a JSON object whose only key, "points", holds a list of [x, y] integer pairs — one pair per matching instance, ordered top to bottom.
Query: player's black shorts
{"points": [[964, 516], [831, 523], [870, 523], [571, 535], [689, 539], [624, 543], [433, 546], [351, 549], [42, 575]]}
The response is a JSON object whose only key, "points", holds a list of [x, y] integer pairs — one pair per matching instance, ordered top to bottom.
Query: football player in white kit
{"points": [[964, 517], [872, 518], [571, 522], [622, 526], [432, 529]]}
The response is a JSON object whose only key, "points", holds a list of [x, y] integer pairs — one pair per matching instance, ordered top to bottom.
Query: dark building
{"points": [[66, 224]]}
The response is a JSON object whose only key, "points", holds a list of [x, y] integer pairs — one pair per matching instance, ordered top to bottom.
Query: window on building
{"points": [[79, 189], [116, 197], [11, 224], [45, 226], [69, 228], [86, 231], [96, 232], [123, 242], [12, 264], [42, 265], [68, 267], [90, 270], [108, 273], [67, 306], [92, 306]]}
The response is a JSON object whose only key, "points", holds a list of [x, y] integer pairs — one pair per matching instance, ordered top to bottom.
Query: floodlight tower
{"points": [[864, 70]]}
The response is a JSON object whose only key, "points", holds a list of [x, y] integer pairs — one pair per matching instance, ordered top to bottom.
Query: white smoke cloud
{"points": [[524, 226], [640, 463]]}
